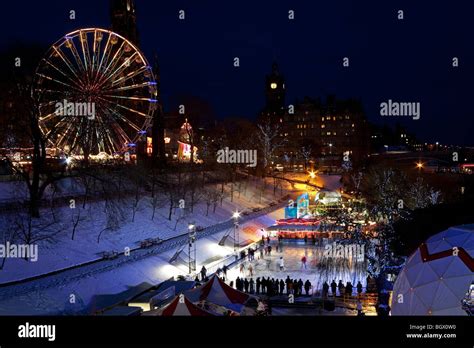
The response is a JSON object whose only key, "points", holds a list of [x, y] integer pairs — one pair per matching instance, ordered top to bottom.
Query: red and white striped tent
{"points": [[218, 292], [180, 306]]}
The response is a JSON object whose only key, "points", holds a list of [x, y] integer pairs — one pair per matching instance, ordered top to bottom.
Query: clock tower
{"points": [[275, 92]]}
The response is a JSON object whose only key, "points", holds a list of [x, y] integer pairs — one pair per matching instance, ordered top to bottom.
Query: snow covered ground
{"points": [[64, 252], [52, 295]]}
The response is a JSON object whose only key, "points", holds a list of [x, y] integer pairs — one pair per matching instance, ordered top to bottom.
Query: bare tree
{"points": [[270, 142], [305, 152], [38, 175], [114, 216], [76, 218], [31, 230]]}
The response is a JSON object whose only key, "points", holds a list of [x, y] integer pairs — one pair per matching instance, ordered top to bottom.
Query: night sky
{"points": [[407, 61]]}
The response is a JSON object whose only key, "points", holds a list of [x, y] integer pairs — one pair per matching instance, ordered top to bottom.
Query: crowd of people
{"points": [[273, 287], [343, 289]]}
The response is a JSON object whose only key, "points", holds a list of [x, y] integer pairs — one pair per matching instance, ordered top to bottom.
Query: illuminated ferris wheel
{"points": [[96, 93]]}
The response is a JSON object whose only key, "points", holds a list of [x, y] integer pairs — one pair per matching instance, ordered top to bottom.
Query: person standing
{"points": [[268, 240], [303, 262], [281, 263], [242, 268], [224, 270], [251, 270], [203, 273], [287, 282], [258, 283], [246, 285], [252, 286], [282, 286], [307, 286], [340, 286], [290, 287], [295, 287], [300, 287], [333, 287], [359, 287], [349, 288], [325, 289]]}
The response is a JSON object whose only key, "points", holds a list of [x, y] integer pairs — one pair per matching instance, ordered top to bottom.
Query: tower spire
{"points": [[124, 20]]}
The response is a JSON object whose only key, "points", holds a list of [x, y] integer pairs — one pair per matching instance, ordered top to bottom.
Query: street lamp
{"points": [[419, 165], [312, 174], [236, 216], [192, 247]]}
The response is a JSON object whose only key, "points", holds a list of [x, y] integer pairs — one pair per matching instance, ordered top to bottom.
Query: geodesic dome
{"points": [[437, 276]]}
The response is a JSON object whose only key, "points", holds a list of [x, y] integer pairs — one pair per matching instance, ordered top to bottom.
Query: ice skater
{"points": [[303, 262], [281, 263]]}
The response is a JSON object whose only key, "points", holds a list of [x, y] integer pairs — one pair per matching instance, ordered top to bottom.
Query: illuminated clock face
{"points": [[273, 85]]}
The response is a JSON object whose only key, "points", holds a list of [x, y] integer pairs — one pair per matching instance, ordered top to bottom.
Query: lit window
{"points": [[273, 85], [323, 126]]}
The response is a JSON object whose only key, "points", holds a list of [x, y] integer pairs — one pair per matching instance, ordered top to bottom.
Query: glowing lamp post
{"points": [[236, 216], [192, 247]]}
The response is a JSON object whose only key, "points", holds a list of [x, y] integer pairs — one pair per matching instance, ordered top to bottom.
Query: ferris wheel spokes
{"points": [[95, 66]]}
